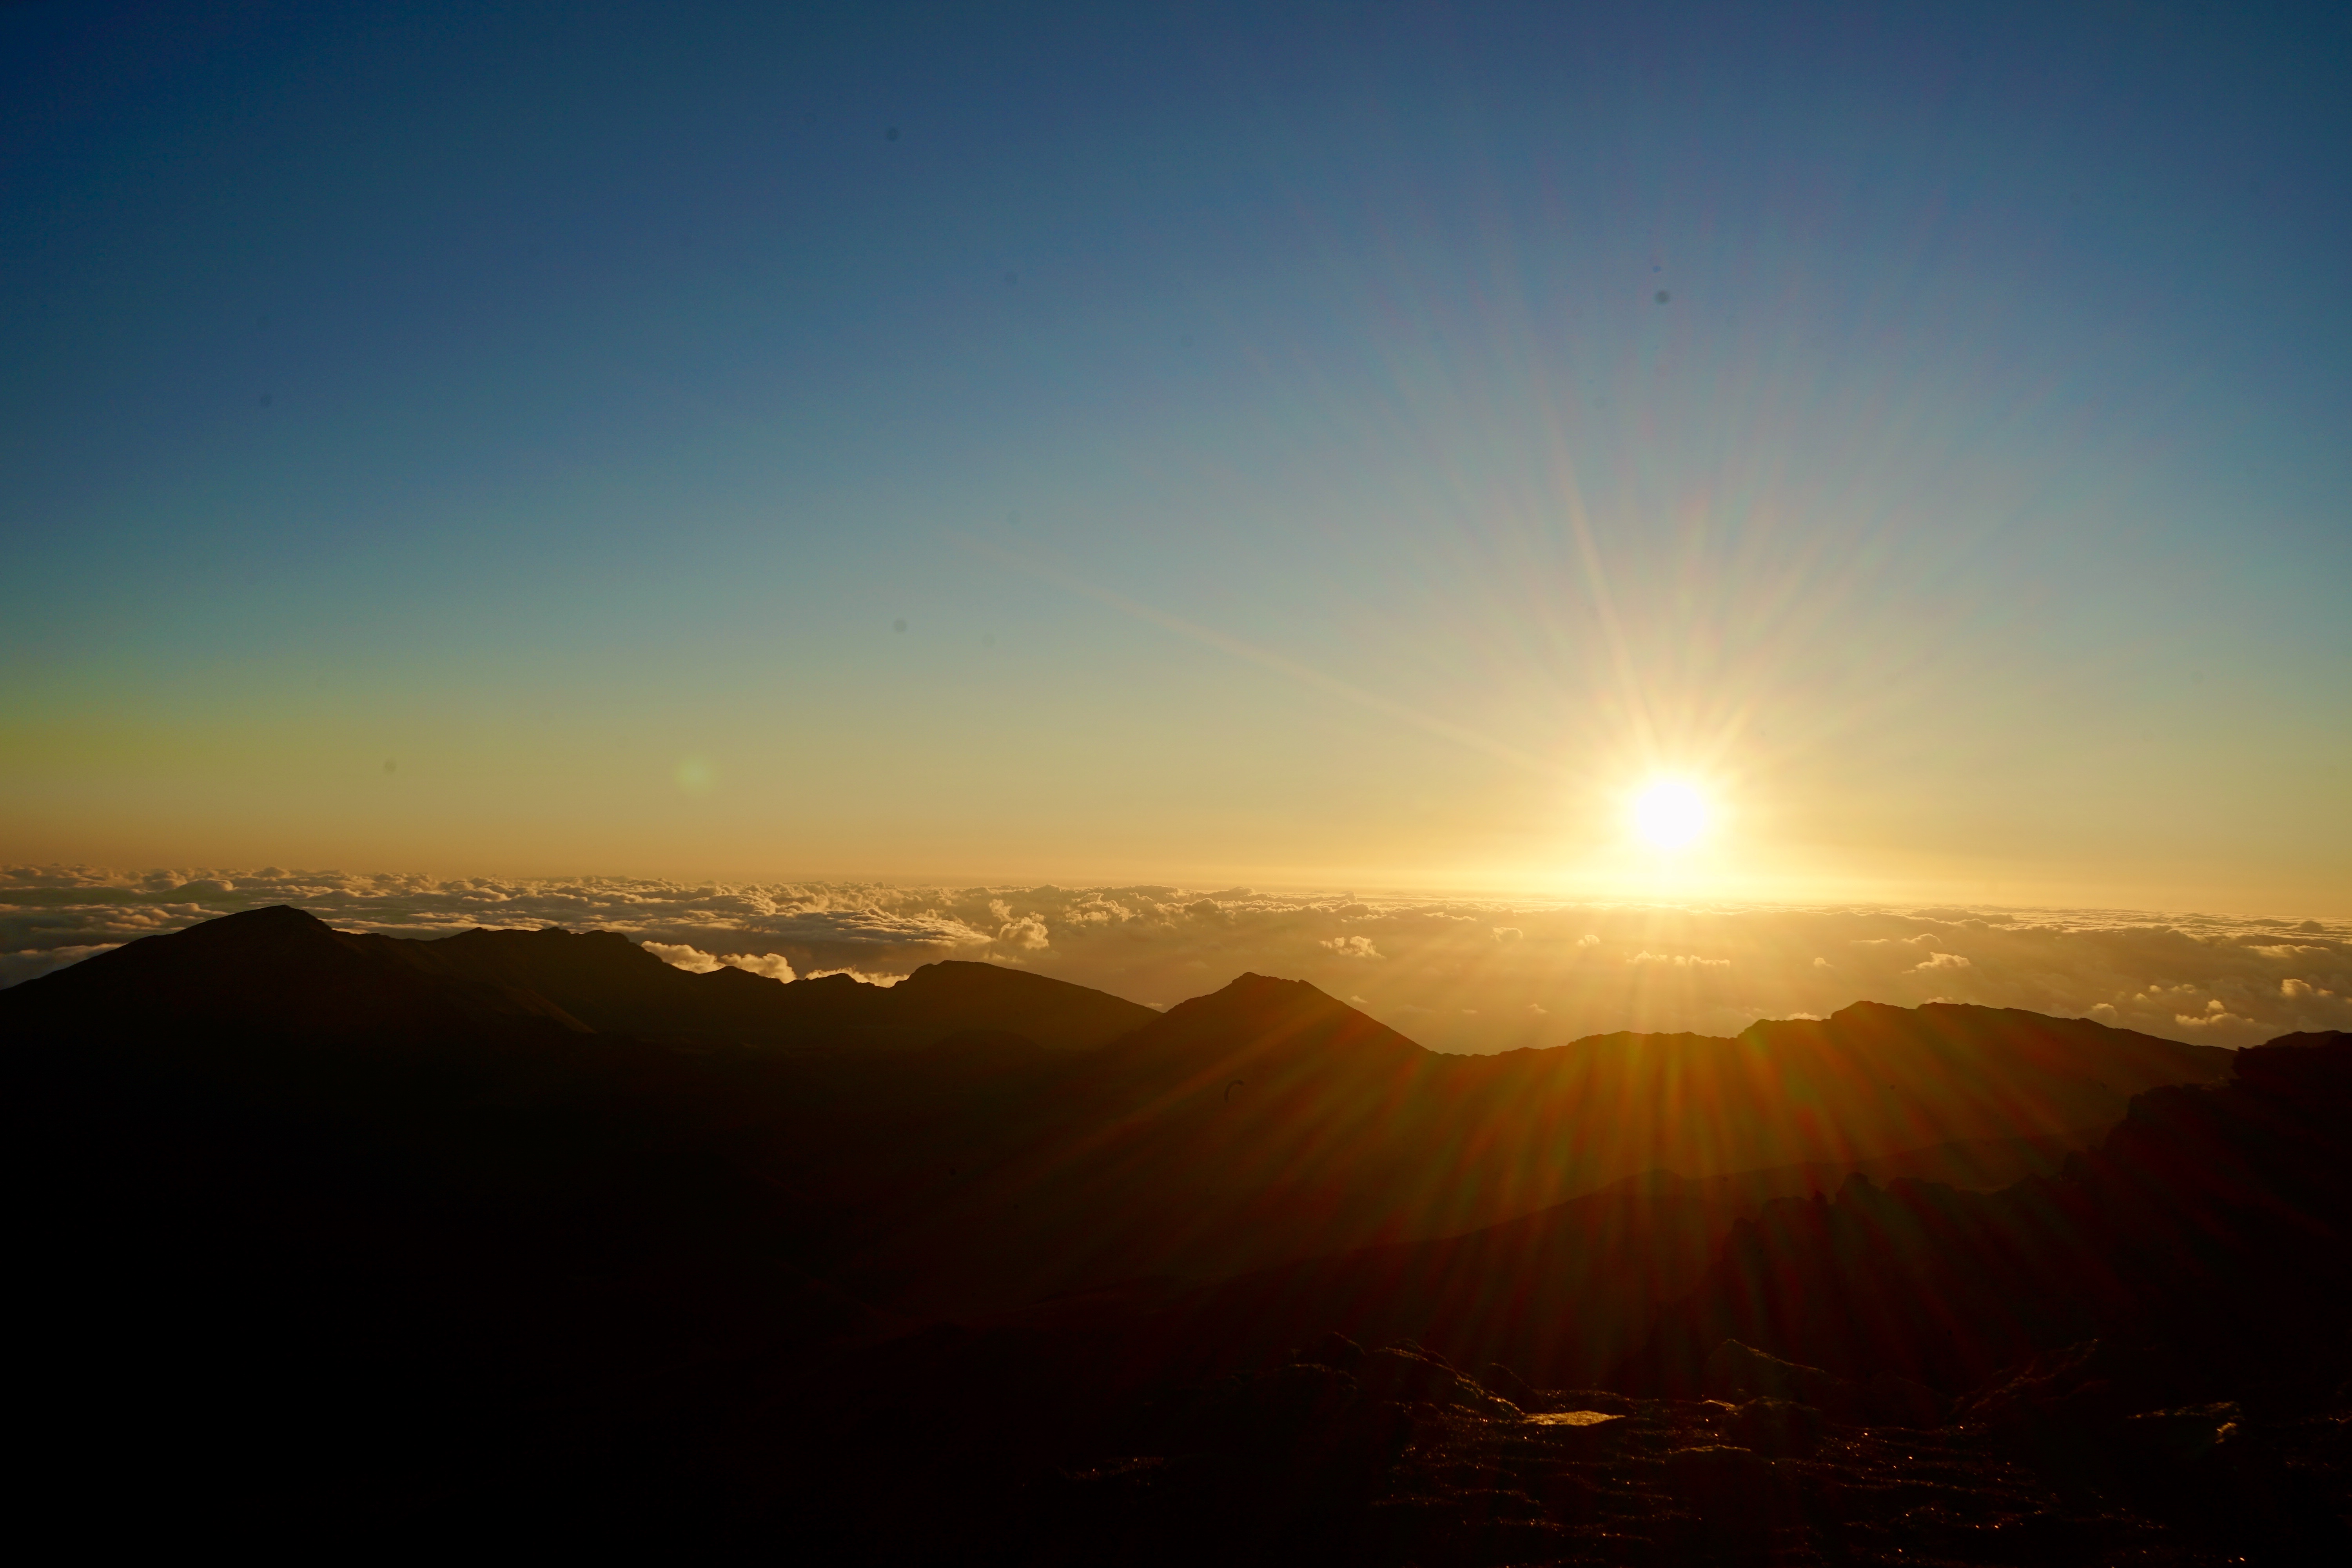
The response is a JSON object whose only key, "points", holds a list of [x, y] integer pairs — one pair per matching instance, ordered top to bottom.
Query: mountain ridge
{"points": [[600, 981], [1260, 1122], [442, 1243]]}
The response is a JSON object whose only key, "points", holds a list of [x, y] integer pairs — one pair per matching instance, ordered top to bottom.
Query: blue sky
{"points": [[1308, 444]]}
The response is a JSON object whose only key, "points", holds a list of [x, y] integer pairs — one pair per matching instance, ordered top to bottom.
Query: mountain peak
{"points": [[246, 925], [274, 936], [1254, 991], [956, 995], [1257, 1014]]}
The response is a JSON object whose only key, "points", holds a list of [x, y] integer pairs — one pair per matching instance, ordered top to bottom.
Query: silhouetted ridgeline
{"points": [[1046, 1137], [530, 1230]]}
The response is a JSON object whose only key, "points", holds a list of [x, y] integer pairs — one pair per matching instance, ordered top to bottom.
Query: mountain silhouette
{"points": [[279, 968], [1269, 1121], [1263, 1124], [2215, 1221], [515, 1225], [1562, 1296], [2141, 1356]]}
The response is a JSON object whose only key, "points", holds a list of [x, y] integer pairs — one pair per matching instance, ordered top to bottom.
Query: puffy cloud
{"points": [[872, 927], [1027, 934], [695, 961], [775, 965], [1445, 973], [861, 975], [2216, 1019]]}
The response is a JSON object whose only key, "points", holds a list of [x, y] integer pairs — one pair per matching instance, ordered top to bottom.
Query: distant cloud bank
{"points": [[1459, 974]]}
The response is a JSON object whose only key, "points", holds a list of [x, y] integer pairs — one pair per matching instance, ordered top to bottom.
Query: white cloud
{"points": [[1027, 934], [1351, 946], [693, 960], [1941, 961], [775, 965], [863, 977]]}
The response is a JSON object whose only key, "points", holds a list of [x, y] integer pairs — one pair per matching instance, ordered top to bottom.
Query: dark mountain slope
{"points": [[281, 970], [279, 973], [613, 985], [952, 996], [1269, 1121], [956, 1170], [2215, 1222], [415, 1234], [2208, 1244], [1562, 1296]]}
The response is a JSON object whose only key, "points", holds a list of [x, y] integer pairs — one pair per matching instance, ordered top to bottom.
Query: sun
{"points": [[1670, 814]]}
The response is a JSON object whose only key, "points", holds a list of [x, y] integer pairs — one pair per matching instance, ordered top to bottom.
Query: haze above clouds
{"points": [[1454, 973]]}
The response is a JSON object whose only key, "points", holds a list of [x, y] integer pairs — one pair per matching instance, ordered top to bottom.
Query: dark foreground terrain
{"points": [[334, 1244], [1307, 1463]]}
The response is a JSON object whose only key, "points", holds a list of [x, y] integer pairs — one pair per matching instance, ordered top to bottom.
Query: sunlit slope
{"points": [[1269, 1120]]}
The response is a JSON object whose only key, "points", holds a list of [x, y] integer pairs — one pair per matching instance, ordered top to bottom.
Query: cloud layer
{"points": [[1461, 974]]}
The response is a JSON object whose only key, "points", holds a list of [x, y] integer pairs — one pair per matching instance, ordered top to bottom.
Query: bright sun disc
{"points": [[1669, 814]]}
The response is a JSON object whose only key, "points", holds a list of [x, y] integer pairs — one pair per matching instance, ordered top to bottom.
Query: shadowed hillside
{"points": [[279, 971], [1268, 1121], [976, 1137], [533, 1222], [2216, 1222], [1562, 1296], [2141, 1358]]}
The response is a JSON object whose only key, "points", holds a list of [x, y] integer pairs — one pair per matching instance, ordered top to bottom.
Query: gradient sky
{"points": [[1329, 446]]}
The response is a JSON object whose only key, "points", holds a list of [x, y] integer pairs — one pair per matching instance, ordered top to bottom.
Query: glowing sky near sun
{"points": [[1350, 445]]}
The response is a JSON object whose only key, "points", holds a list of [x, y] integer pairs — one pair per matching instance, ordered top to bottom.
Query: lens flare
{"points": [[1669, 814]]}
